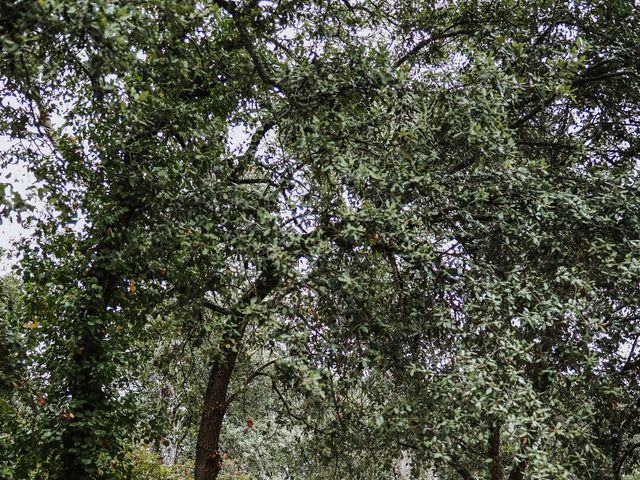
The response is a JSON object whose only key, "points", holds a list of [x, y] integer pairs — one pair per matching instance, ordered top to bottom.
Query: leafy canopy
{"points": [[371, 230]]}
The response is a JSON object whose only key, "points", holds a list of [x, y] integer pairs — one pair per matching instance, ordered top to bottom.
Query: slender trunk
{"points": [[208, 457], [495, 468]]}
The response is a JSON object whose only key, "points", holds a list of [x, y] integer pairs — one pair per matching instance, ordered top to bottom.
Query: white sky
{"points": [[11, 230]]}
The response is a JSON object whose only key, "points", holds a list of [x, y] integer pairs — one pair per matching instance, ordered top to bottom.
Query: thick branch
{"points": [[248, 42], [426, 42], [595, 73], [251, 151], [215, 308], [250, 378], [625, 456], [461, 469], [518, 471]]}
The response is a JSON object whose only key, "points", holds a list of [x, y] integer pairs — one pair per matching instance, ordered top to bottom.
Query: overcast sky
{"points": [[11, 230]]}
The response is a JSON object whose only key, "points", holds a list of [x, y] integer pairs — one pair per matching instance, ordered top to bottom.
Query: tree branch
{"points": [[248, 42], [426, 42], [594, 73], [254, 143], [215, 308], [252, 376], [630, 450], [460, 469], [518, 471]]}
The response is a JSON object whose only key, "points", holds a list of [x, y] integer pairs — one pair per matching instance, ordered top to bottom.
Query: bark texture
{"points": [[208, 456]]}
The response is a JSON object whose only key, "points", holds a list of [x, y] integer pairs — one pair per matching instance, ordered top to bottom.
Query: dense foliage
{"points": [[323, 239]]}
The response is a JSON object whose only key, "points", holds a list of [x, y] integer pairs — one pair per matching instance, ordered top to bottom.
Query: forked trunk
{"points": [[208, 456]]}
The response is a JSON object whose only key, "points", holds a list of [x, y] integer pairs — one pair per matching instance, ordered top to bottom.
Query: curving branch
{"points": [[248, 42], [426, 42]]}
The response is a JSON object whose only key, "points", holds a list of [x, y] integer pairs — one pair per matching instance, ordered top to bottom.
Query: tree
{"points": [[422, 215], [12, 346]]}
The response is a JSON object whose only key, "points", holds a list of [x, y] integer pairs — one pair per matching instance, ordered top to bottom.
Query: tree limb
{"points": [[426, 42], [252, 376]]}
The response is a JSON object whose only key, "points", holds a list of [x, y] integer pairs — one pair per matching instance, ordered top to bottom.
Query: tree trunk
{"points": [[89, 403], [208, 457], [495, 468]]}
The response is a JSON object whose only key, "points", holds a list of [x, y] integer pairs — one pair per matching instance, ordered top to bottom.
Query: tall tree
{"points": [[422, 214]]}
